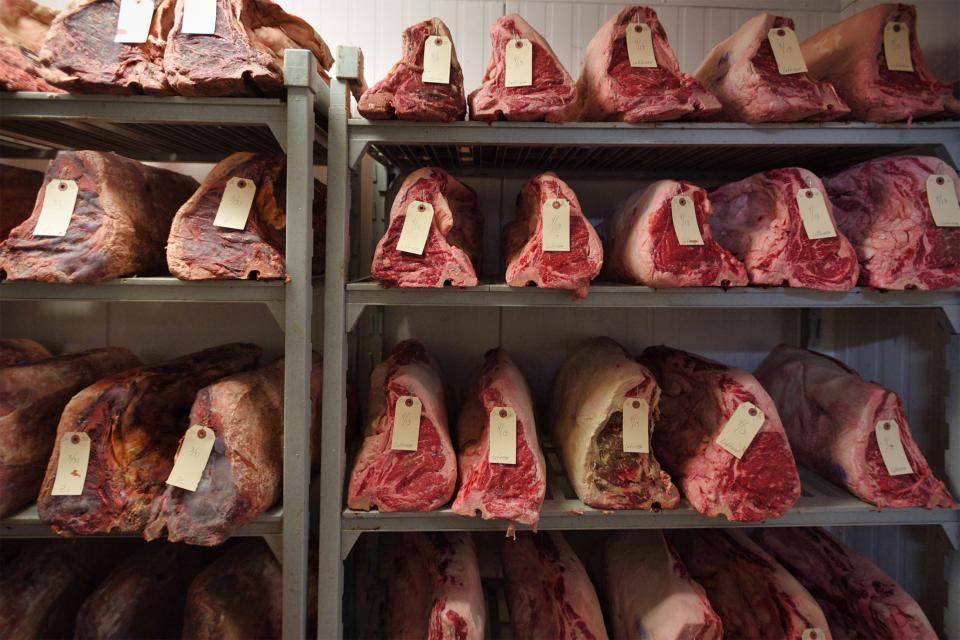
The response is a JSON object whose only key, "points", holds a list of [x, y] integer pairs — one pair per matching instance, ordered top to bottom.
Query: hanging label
{"points": [[199, 16], [133, 21], [640, 46], [896, 46], [786, 50], [437, 52], [519, 62], [942, 196], [59, 199], [235, 204], [813, 213], [685, 223], [556, 224], [416, 227], [406, 424], [636, 425], [741, 429], [503, 435], [891, 448], [191, 458], [72, 464], [813, 634]]}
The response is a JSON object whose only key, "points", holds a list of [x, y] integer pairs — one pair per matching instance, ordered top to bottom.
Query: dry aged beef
{"points": [[23, 26], [850, 55], [244, 56], [743, 73], [609, 88], [403, 94], [550, 96], [18, 192], [883, 208], [758, 219], [118, 228], [523, 241], [643, 246], [452, 249], [197, 250], [20, 351], [32, 396], [698, 398], [831, 415], [134, 420], [586, 423], [401, 480], [495, 490], [433, 588], [650, 594], [754, 595], [238, 596], [859, 600]]}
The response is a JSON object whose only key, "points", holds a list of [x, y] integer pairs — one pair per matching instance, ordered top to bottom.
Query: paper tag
{"points": [[199, 16], [133, 21], [640, 46], [896, 46], [786, 49], [437, 52], [519, 55], [942, 197], [59, 199], [235, 204], [813, 213], [685, 223], [556, 224], [416, 227], [406, 424], [636, 425], [741, 429], [503, 435], [891, 448], [192, 457], [72, 464], [813, 634]]}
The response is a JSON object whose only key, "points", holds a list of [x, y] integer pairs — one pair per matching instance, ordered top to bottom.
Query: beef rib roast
{"points": [[18, 193], [20, 351]]}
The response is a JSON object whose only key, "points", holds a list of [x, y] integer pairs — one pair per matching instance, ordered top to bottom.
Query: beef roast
{"points": [[23, 26], [743, 73], [403, 94], [549, 97], [18, 192], [883, 208], [758, 219], [118, 228], [643, 246], [452, 249], [21, 350], [32, 396], [831, 415], [134, 420], [586, 423], [400, 480], [495, 490], [548, 591], [650, 594]]}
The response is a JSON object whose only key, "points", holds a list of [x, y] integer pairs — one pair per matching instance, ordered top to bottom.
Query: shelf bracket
{"points": [[279, 131], [357, 151], [277, 311], [354, 311], [811, 322], [348, 541], [275, 542]]}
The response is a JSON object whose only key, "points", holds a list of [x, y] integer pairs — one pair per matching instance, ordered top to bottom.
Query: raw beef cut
{"points": [[23, 26], [244, 56], [850, 56], [20, 70], [743, 73], [609, 88], [403, 94], [551, 95], [18, 192], [882, 207], [758, 220], [118, 228], [453, 245], [643, 248], [197, 250], [528, 263], [20, 350], [32, 396], [699, 396], [831, 414], [134, 420], [586, 422], [394, 480], [511, 491], [433, 588], [548, 591], [650, 594], [754, 595], [238, 596], [859, 600]]}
